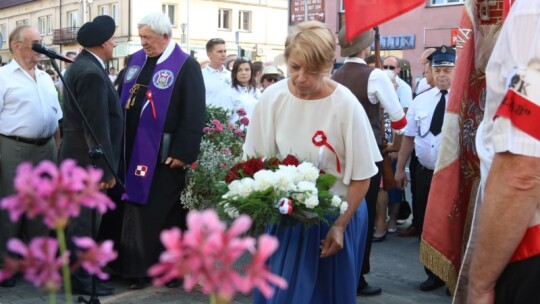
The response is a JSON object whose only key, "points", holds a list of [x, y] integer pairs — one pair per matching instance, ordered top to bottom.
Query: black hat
{"points": [[96, 32], [443, 56]]}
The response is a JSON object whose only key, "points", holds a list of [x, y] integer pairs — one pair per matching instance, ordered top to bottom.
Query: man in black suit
{"points": [[98, 100]]}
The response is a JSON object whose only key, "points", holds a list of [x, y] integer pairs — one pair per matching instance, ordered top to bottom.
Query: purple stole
{"points": [[141, 167]]}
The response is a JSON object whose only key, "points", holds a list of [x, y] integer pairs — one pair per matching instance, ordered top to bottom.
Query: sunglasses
{"points": [[243, 59], [389, 67], [270, 79]]}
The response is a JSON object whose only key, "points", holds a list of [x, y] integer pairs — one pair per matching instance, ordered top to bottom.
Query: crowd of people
{"points": [[149, 120]]}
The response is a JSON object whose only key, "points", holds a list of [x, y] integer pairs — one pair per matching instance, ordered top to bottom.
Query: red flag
{"points": [[361, 15]]}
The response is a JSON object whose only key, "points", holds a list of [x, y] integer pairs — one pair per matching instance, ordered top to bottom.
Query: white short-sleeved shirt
{"points": [[517, 51], [217, 85], [404, 93], [28, 108], [418, 121], [283, 124]]}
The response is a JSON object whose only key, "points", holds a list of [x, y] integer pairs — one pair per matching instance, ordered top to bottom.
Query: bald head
{"points": [[425, 55]]}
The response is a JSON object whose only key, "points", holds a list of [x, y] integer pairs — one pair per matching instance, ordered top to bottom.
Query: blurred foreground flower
{"points": [[55, 193], [205, 254], [38, 262]]}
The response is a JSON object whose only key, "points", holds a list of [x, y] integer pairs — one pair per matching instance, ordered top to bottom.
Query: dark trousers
{"points": [[412, 169], [423, 184], [371, 201], [519, 282]]}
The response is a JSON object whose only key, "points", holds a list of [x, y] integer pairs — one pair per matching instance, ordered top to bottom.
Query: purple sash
{"points": [[144, 156]]}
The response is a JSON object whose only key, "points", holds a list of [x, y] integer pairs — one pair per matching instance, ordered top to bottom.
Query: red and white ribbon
{"points": [[151, 100], [320, 140], [284, 205]]}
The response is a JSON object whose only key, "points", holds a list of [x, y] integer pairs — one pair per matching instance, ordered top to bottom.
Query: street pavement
{"points": [[394, 267]]}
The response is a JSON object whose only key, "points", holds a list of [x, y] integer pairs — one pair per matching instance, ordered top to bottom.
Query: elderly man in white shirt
{"points": [[217, 79], [29, 115], [423, 134]]}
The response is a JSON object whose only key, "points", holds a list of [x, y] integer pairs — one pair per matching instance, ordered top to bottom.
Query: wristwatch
{"points": [[400, 132]]}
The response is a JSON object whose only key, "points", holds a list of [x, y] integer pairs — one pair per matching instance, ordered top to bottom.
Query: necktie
{"points": [[438, 115]]}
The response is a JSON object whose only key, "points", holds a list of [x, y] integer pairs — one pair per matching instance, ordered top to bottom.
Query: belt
{"points": [[31, 141], [424, 168]]}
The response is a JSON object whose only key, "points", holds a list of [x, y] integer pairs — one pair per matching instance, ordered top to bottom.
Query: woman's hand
{"points": [[333, 241]]}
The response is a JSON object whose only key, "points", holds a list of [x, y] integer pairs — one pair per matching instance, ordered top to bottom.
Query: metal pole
{"points": [[305, 10]]}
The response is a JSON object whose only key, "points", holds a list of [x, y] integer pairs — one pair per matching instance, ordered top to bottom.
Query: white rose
{"points": [[308, 172], [263, 180], [284, 181], [246, 187], [234, 188], [336, 201], [311, 202], [343, 207]]}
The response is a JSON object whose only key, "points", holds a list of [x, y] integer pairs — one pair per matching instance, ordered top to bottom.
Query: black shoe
{"points": [[378, 239], [8, 283], [138, 283], [432, 283], [101, 290], [365, 290]]}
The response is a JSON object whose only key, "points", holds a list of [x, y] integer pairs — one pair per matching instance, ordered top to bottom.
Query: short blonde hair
{"points": [[314, 44]]}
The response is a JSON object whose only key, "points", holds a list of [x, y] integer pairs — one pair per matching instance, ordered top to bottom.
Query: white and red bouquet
{"points": [[268, 189]]}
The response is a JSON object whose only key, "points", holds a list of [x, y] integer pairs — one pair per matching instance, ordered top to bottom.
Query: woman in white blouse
{"points": [[244, 87]]}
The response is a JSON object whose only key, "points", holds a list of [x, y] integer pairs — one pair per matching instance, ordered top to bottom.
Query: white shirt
{"points": [[518, 44], [217, 85], [380, 89], [404, 93], [244, 99], [28, 108], [418, 121], [283, 124]]}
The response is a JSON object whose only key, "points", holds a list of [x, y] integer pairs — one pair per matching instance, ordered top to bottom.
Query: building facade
{"points": [[256, 27]]}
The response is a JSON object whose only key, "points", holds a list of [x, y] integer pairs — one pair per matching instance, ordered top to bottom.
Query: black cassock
{"points": [[135, 228]]}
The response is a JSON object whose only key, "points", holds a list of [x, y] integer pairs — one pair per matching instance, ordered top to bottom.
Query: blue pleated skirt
{"points": [[313, 279]]}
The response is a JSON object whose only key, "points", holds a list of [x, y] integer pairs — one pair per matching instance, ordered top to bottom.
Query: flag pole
{"points": [[377, 48]]}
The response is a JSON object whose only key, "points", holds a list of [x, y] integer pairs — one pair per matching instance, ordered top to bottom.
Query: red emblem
{"points": [[319, 140]]}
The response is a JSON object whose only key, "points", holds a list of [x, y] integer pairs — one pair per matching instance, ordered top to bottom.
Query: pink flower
{"points": [[241, 112], [244, 121], [207, 129], [239, 132], [227, 151], [55, 193], [205, 255], [94, 257], [38, 261], [258, 274]]}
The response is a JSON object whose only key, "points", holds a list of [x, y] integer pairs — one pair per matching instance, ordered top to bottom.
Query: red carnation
{"points": [[291, 160]]}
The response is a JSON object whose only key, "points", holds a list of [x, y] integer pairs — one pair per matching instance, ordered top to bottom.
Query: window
{"points": [[445, 2], [168, 9], [103, 10], [115, 13], [73, 19], [224, 19], [244, 20], [22, 22], [45, 25], [3, 31]]}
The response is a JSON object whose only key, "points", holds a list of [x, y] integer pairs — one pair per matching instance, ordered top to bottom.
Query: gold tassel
{"points": [[133, 94], [439, 265]]}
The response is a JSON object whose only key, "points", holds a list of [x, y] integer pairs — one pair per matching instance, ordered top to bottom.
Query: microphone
{"points": [[40, 48]]}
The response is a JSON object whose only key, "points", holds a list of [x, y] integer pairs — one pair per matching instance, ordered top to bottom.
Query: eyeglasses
{"points": [[389, 67], [270, 79]]}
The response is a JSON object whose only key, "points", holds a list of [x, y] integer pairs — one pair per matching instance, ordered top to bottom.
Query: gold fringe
{"points": [[439, 265]]}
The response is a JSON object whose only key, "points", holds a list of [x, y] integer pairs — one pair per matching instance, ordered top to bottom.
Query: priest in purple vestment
{"points": [[163, 98]]}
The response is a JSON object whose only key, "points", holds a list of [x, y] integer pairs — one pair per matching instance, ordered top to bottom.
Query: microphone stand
{"points": [[95, 153]]}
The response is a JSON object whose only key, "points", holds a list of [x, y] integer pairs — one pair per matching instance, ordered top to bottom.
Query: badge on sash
{"points": [[131, 73], [163, 79], [141, 170]]}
